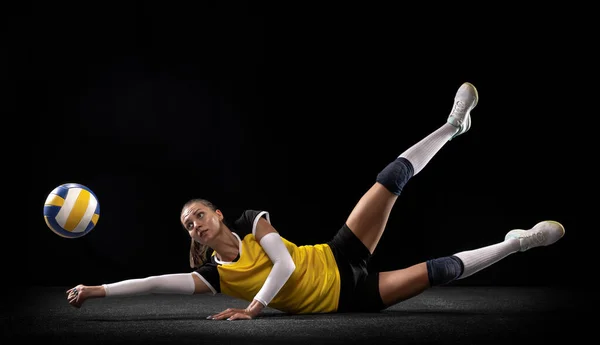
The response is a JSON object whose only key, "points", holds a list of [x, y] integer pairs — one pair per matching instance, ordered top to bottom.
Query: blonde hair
{"points": [[198, 251], [197, 254]]}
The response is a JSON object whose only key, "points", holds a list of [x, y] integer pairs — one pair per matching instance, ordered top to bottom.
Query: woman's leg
{"points": [[370, 215], [399, 285]]}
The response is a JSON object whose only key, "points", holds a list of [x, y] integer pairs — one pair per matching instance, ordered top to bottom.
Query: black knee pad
{"points": [[396, 174], [444, 270]]}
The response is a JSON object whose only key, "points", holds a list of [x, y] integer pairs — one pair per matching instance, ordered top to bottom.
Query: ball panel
{"points": [[60, 191], [55, 200], [75, 206], [51, 211], [87, 216], [95, 218], [90, 226]]}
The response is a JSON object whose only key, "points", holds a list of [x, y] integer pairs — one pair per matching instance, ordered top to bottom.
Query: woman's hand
{"points": [[77, 295], [232, 314], [239, 314]]}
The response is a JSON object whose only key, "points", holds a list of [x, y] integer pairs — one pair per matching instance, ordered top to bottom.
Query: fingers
{"points": [[73, 290], [71, 293], [73, 297], [230, 314], [222, 315], [239, 316]]}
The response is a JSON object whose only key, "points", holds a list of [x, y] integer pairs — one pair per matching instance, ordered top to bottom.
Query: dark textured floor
{"points": [[442, 315]]}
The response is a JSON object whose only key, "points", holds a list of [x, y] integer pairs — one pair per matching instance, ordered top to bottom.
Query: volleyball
{"points": [[71, 210]]}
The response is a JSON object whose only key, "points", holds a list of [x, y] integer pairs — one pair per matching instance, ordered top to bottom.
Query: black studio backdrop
{"points": [[150, 107]]}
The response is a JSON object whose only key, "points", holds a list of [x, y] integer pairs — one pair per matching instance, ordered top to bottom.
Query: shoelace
{"points": [[459, 108], [532, 239]]}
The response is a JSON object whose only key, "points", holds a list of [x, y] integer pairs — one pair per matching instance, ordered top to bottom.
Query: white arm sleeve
{"points": [[283, 267], [181, 283]]}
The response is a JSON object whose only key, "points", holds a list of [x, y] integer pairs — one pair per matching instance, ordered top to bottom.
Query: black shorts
{"points": [[359, 287]]}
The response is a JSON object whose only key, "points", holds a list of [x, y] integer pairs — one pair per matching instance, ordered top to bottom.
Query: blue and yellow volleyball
{"points": [[71, 210]]}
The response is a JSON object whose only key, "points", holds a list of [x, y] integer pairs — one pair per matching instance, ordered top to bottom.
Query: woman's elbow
{"points": [[290, 266]]}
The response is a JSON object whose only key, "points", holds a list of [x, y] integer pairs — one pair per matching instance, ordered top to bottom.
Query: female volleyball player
{"points": [[251, 261]]}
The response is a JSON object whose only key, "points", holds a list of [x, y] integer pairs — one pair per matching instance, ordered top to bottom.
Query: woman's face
{"points": [[201, 222]]}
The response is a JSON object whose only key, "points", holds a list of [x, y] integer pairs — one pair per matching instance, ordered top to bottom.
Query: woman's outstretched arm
{"points": [[179, 283]]}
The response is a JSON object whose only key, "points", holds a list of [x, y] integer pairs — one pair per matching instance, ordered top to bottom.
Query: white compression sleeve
{"points": [[283, 267], [181, 283]]}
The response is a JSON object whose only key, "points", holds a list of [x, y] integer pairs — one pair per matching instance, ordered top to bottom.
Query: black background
{"points": [[295, 110]]}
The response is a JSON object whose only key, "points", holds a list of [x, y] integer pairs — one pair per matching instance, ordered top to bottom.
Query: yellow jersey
{"points": [[313, 287]]}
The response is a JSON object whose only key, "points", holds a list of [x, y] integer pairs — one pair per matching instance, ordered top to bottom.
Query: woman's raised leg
{"points": [[370, 215]]}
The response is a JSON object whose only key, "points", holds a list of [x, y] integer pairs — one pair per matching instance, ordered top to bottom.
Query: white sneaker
{"points": [[465, 100], [542, 234]]}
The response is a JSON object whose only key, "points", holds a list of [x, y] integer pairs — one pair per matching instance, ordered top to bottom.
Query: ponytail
{"points": [[197, 254]]}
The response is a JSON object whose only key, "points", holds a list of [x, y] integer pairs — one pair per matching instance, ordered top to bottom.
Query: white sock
{"points": [[421, 153], [478, 259], [181, 283]]}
